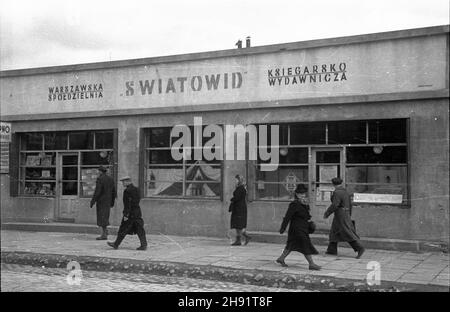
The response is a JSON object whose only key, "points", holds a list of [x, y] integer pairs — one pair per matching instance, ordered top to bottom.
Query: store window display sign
{"points": [[5, 140]]}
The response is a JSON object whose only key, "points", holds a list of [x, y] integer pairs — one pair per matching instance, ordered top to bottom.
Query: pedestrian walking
{"points": [[104, 197], [238, 209], [298, 218], [132, 222], [342, 228]]}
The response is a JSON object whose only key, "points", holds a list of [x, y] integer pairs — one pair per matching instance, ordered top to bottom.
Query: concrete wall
{"points": [[426, 219]]}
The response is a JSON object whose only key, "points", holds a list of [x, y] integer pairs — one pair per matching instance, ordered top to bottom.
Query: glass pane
{"points": [[387, 131], [347, 132], [307, 133], [282, 134], [159, 137], [81, 140], [104, 140], [32, 141], [55, 141], [291, 155], [368, 155], [194, 156], [162, 157], [328, 157], [96, 158], [37, 159], [70, 160], [203, 172], [40, 173], [70, 173], [324, 173], [168, 174], [372, 174], [288, 175], [38, 188], [69, 188], [88, 188], [161, 188], [202, 189], [269, 191]]}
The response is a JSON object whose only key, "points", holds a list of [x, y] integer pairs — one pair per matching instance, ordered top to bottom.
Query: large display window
{"points": [[64, 161]]}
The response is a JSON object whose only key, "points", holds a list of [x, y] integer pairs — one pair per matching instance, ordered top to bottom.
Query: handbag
{"points": [[311, 227]]}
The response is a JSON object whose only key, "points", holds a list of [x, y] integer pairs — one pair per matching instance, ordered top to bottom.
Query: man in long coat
{"points": [[104, 196], [132, 222], [342, 228]]}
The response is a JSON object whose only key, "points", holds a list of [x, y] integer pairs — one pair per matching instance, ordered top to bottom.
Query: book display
{"points": [[38, 173]]}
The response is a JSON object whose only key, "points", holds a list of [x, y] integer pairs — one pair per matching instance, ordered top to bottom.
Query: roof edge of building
{"points": [[372, 37]]}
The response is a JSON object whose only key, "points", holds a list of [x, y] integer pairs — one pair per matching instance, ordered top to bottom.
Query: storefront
{"points": [[372, 109]]}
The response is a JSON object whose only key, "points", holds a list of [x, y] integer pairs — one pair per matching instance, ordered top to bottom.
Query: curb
{"points": [[320, 238], [209, 272]]}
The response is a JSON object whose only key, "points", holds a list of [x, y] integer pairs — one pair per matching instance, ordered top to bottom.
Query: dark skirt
{"points": [[103, 215], [238, 220], [300, 241]]}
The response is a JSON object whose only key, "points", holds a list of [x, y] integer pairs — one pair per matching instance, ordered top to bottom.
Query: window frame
{"points": [[22, 152], [145, 165], [406, 203]]}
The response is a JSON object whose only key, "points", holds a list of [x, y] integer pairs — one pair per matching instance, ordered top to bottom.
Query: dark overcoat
{"points": [[104, 196], [238, 208], [132, 211], [297, 216], [342, 228]]}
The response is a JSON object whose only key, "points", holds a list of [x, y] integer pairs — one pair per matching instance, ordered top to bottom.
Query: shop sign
{"points": [[5, 132], [5, 139], [4, 157], [291, 182], [377, 198]]}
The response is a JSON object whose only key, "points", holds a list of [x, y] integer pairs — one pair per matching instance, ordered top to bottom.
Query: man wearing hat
{"points": [[104, 196], [132, 222], [342, 228]]}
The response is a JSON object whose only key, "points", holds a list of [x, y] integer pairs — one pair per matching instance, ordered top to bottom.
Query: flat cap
{"points": [[125, 178]]}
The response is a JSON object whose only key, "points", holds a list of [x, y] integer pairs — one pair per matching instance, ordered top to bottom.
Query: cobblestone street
{"points": [[23, 278]]}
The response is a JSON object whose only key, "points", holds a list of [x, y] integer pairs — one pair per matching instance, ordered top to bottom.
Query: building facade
{"points": [[372, 109]]}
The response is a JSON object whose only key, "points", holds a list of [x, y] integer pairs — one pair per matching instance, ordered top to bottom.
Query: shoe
{"points": [[101, 238], [247, 239], [236, 243], [112, 245], [142, 248], [360, 252], [283, 264], [314, 267]]}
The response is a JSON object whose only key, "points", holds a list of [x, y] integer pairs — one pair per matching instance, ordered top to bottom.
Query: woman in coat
{"points": [[238, 209], [298, 235]]}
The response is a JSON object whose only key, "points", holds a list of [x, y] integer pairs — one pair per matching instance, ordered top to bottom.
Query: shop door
{"points": [[326, 164], [67, 192]]}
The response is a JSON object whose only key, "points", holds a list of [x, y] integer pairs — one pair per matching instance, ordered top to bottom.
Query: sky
{"points": [[40, 33]]}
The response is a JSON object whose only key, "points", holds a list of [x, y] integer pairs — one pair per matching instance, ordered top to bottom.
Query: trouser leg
{"points": [[105, 231], [141, 234], [119, 239], [356, 245], [332, 248]]}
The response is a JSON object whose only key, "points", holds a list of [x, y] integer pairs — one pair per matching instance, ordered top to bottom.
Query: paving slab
{"points": [[430, 268]]}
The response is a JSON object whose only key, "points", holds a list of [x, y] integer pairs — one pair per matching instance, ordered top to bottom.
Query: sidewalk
{"points": [[424, 269]]}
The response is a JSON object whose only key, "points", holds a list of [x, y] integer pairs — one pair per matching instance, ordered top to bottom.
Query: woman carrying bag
{"points": [[238, 209], [300, 227]]}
